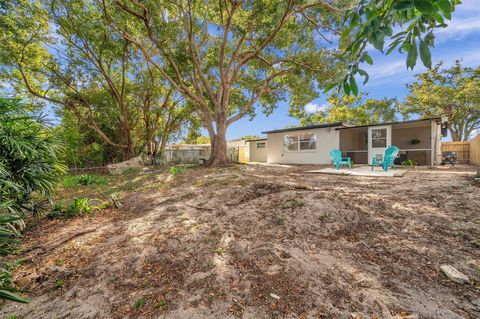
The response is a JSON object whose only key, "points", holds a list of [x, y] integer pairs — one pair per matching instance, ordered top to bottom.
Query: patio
{"points": [[361, 171]]}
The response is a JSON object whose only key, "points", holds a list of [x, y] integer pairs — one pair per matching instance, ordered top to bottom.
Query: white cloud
{"points": [[458, 28], [314, 107]]}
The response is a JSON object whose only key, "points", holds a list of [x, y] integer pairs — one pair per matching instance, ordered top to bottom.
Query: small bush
{"points": [[174, 170], [78, 207], [59, 284]]}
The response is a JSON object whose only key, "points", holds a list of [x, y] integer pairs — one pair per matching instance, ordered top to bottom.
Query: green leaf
{"points": [[403, 5], [445, 5], [424, 6], [439, 18], [377, 40], [392, 46], [425, 54], [412, 56], [367, 58], [365, 75], [353, 85], [329, 87], [346, 88], [7, 295]]}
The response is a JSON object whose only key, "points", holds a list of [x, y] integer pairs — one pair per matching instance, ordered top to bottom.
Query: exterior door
{"points": [[379, 138]]}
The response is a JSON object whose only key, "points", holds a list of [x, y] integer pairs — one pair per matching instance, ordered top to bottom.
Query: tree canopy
{"points": [[217, 60], [452, 92], [352, 110]]}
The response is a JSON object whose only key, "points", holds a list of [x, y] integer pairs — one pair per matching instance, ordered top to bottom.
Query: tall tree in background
{"points": [[228, 57], [231, 57], [94, 73], [452, 92], [350, 109]]}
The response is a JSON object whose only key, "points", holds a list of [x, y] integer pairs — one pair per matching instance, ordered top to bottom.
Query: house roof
{"points": [[436, 119], [303, 128], [257, 140]]}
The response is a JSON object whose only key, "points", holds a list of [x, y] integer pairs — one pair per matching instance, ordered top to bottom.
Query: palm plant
{"points": [[29, 166]]}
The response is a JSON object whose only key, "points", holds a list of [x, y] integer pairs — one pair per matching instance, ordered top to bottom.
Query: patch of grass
{"points": [[131, 170], [71, 181], [292, 203], [279, 220], [59, 262], [59, 283], [139, 303], [162, 304], [11, 316]]}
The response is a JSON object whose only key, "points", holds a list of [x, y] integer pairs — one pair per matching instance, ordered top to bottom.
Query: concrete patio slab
{"points": [[361, 171]]}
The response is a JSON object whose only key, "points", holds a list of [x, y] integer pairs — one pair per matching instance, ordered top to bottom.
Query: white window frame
{"points": [[298, 150]]}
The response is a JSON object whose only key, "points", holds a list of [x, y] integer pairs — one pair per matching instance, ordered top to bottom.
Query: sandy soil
{"points": [[263, 242]]}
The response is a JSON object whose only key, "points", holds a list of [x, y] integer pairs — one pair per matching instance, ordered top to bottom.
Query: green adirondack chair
{"points": [[338, 160], [388, 160]]}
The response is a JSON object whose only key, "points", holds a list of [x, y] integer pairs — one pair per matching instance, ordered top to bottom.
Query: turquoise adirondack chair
{"points": [[338, 160], [388, 160]]}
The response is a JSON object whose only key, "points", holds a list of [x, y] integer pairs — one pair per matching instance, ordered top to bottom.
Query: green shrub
{"points": [[29, 168], [174, 170], [78, 207]]}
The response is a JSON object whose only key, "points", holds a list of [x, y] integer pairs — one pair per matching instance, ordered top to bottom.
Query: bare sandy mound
{"points": [[263, 242]]}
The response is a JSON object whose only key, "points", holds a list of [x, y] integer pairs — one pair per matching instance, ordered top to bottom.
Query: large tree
{"points": [[231, 57], [95, 74], [452, 92], [351, 110]]}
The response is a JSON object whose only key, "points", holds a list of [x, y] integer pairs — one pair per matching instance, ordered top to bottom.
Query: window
{"points": [[379, 137], [290, 142], [302, 142], [308, 142], [261, 145]]}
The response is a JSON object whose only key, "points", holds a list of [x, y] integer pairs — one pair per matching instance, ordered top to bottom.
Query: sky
{"points": [[389, 74]]}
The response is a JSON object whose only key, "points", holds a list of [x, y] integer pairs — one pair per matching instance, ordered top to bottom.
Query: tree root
{"points": [[44, 249]]}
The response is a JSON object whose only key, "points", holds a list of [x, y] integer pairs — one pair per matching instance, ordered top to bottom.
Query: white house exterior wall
{"points": [[326, 139], [258, 154]]}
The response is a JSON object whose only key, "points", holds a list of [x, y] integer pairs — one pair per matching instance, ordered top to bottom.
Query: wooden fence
{"points": [[461, 148], [475, 150]]}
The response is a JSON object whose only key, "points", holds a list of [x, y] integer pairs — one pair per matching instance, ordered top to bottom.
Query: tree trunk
{"points": [[453, 134], [218, 155]]}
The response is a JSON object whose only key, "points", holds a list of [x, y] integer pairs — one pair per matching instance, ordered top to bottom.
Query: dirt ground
{"points": [[256, 241]]}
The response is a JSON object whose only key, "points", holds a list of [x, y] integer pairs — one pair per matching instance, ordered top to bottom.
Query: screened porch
{"points": [[416, 140]]}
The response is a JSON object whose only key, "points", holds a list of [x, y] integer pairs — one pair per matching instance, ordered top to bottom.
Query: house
{"points": [[418, 140], [258, 150]]}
